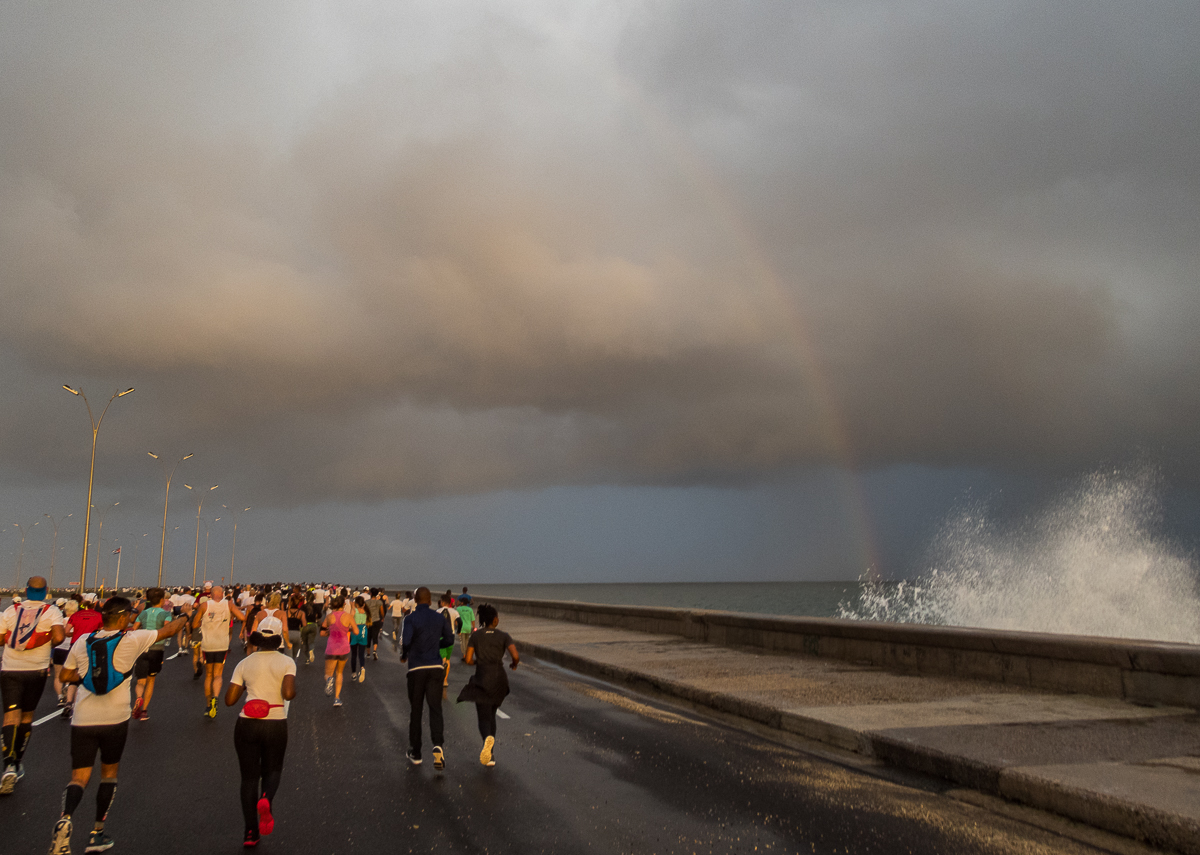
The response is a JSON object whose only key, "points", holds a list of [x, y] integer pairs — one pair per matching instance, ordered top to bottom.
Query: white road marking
{"points": [[502, 714], [43, 720]]}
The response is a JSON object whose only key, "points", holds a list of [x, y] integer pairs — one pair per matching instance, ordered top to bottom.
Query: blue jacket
{"points": [[426, 632]]}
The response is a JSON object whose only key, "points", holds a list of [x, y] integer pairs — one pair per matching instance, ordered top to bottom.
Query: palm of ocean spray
{"points": [[1091, 564]]}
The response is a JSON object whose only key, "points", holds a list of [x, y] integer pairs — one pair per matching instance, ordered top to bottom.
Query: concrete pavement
{"points": [[583, 766], [1127, 768]]}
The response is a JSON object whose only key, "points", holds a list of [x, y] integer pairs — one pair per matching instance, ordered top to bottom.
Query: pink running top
{"points": [[338, 643]]}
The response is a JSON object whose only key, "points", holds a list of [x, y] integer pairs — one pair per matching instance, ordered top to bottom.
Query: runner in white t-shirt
{"points": [[398, 609], [214, 617], [28, 632], [268, 678], [100, 723]]}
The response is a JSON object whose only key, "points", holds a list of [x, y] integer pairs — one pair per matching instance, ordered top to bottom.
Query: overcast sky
{"points": [[592, 291]]}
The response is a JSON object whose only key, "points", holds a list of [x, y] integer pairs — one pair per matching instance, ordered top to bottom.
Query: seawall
{"points": [[1140, 671]]}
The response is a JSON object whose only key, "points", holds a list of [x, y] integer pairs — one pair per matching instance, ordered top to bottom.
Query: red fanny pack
{"points": [[258, 708]]}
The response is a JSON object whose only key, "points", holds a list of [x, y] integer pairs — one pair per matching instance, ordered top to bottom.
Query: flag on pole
{"points": [[117, 551]]}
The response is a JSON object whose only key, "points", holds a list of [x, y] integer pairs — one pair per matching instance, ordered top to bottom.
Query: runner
{"points": [[273, 608], [446, 608], [398, 610], [251, 615], [214, 617], [86, 619], [374, 621], [295, 622], [468, 625], [338, 626], [28, 632], [425, 633], [197, 634], [308, 634], [358, 640], [59, 654], [101, 660], [150, 663], [488, 686], [260, 736]]}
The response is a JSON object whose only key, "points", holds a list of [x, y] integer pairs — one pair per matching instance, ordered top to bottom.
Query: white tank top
{"points": [[215, 625]]}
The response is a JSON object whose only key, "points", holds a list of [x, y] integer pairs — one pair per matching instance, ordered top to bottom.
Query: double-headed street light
{"points": [[199, 505], [87, 520], [54, 543], [162, 550], [233, 553]]}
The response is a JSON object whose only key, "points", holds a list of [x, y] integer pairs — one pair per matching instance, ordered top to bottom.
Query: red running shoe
{"points": [[137, 709], [266, 822], [251, 839]]}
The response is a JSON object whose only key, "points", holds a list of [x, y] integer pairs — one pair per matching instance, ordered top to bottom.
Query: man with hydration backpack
{"points": [[28, 632], [101, 662]]}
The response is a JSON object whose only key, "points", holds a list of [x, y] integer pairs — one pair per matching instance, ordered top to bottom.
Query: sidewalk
{"points": [[1129, 769]]}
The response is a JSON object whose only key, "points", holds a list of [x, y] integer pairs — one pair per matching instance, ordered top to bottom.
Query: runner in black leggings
{"points": [[260, 736]]}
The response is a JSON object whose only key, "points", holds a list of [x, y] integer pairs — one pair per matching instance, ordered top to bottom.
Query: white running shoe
{"points": [[362, 674], [329, 685], [485, 756], [439, 757], [8, 781], [60, 843]]}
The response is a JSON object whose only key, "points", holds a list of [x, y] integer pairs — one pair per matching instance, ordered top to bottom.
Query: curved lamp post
{"points": [[199, 505], [87, 520], [54, 542], [162, 550], [233, 553]]}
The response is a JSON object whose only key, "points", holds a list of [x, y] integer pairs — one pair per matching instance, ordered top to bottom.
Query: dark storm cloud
{"points": [[371, 253]]}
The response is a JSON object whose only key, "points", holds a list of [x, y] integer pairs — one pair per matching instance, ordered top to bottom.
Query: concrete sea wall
{"points": [[1141, 671]]}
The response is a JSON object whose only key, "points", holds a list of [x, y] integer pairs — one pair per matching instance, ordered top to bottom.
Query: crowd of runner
{"points": [[96, 648]]}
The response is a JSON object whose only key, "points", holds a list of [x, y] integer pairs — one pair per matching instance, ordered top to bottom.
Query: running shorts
{"points": [[58, 656], [215, 657], [340, 657], [149, 664], [21, 690], [107, 739]]}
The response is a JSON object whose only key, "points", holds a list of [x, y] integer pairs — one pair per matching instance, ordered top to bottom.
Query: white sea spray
{"points": [[1093, 562]]}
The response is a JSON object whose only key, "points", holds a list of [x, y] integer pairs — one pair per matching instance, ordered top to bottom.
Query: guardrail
{"points": [[1141, 671]]}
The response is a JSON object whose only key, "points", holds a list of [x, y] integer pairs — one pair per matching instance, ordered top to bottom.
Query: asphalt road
{"points": [[581, 767]]}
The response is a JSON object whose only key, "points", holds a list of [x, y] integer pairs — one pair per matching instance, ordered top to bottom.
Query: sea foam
{"points": [[1093, 562]]}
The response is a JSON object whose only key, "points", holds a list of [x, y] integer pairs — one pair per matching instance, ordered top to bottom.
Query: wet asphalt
{"points": [[581, 767]]}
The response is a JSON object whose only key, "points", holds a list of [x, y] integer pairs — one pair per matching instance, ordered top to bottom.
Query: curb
{"points": [[1138, 822]]}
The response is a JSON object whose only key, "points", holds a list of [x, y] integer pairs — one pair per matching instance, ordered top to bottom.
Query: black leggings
{"points": [[358, 657], [487, 719], [260, 745]]}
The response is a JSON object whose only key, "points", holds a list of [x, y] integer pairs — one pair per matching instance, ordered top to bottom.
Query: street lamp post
{"points": [[199, 505], [87, 520], [99, 540], [54, 542], [162, 550], [233, 553], [20, 554]]}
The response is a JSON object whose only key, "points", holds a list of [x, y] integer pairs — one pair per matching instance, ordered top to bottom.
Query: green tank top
{"points": [[155, 618]]}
